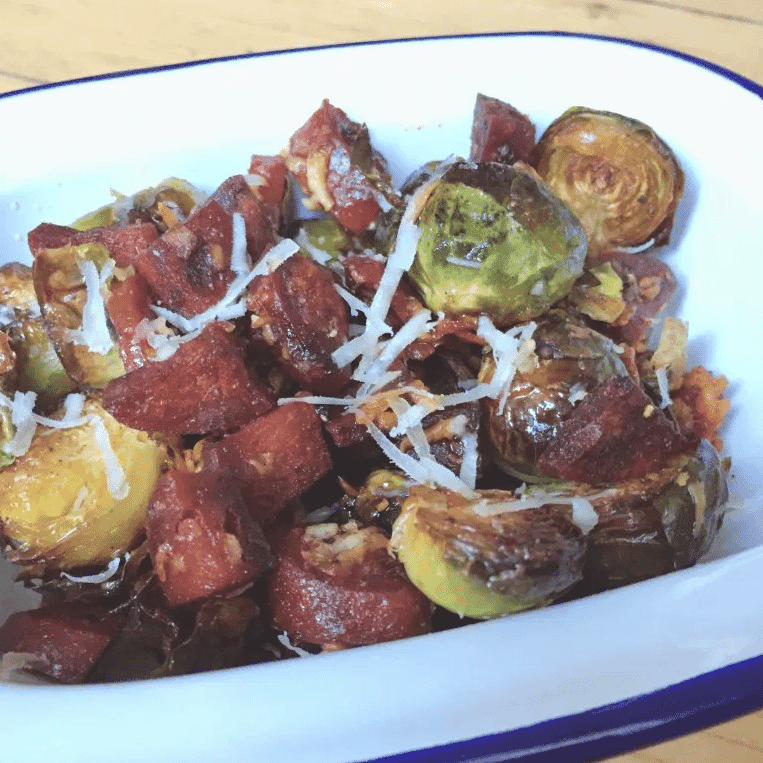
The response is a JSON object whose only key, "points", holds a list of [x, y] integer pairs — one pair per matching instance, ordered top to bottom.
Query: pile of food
{"points": [[313, 411]]}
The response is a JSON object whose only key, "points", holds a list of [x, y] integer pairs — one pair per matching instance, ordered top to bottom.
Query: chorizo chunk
{"points": [[500, 133], [302, 319], [205, 387], [615, 433], [274, 458], [201, 537], [64, 644]]}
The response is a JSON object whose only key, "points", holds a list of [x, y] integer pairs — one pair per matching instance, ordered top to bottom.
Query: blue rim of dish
{"points": [[739, 79], [621, 727], [602, 732]]}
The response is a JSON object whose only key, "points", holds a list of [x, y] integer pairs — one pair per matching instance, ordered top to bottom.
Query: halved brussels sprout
{"points": [[616, 174], [166, 205], [494, 240], [60, 284], [571, 360], [38, 368], [693, 504], [56, 505], [650, 526], [476, 562]]}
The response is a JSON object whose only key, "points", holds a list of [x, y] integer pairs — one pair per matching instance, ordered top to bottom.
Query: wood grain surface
{"points": [[44, 41]]}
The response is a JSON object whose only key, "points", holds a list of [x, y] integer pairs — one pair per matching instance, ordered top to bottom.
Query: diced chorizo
{"points": [[500, 133], [322, 157], [268, 176], [261, 219], [127, 245], [189, 266], [363, 275], [648, 284], [128, 305], [300, 316], [204, 387], [614, 433], [275, 458], [202, 539], [339, 586], [64, 644]]}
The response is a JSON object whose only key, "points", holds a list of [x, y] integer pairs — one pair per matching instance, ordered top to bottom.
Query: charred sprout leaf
{"points": [[616, 174], [166, 206], [494, 240], [59, 279], [598, 294], [571, 360], [381, 497], [693, 504], [57, 506], [482, 564]]}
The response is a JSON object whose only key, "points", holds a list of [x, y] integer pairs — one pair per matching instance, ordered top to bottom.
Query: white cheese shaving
{"points": [[319, 255], [453, 260], [399, 261], [240, 262], [7, 315], [412, 329], [95, 333], [508, 347], [663, 386], [371, 387], [577, 393], [23, 420], [415, 432], [423, 471], [468, 474], [116, 479], [583, 513], [99, 577], [284, 639]]}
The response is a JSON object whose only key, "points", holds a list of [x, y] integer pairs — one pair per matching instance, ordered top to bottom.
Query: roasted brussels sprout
{"points": [[616, 174], [166, 205], [494, 240], [88, 352], [570, 359], [37, 367], [57, 502], [693, 504], [650, 526], [472, 560]]}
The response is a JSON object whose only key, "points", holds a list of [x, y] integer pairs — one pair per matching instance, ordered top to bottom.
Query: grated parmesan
{"points": [[95, 333], [583, 513]]}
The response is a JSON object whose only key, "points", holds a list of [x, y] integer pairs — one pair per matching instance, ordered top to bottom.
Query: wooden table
{"points": [[53, 40]]}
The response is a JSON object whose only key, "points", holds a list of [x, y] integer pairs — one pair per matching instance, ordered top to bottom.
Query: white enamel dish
{"points": [[577, 681]]}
